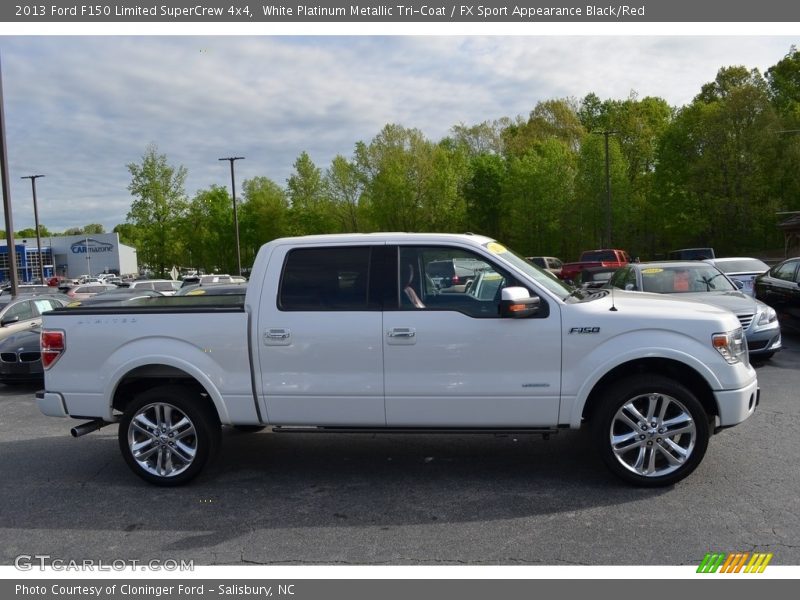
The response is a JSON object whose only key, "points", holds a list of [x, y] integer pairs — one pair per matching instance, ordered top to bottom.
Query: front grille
{"points": [[745, 320], [29, 356], [10, 357]]}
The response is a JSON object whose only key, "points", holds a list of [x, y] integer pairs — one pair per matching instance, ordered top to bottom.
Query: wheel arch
{"points": [[668, 367], [141, 378]]}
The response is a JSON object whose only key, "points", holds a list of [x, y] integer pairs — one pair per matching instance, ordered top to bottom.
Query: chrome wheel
{"points": [[653, 435], [162, 439]]}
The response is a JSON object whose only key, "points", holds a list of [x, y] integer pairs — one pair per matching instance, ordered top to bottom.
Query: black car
{"points": [[780, 288], [20, 358]]}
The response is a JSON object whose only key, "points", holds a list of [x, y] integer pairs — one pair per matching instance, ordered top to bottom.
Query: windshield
{"points": [[544, 278], [685, 279]]}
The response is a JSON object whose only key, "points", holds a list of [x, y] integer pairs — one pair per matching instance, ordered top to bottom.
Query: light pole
{"points": [[605, 134], [232, 159], [33, 179], [13, 276]]}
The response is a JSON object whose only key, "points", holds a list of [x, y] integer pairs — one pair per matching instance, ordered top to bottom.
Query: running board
{"points": [[546, 431]]}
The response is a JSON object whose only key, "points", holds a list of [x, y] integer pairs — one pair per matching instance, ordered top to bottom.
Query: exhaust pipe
{"points": [[89, 427]]}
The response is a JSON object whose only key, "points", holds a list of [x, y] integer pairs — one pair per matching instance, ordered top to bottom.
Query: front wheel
{"points": [[651, 430], [167, 435]]}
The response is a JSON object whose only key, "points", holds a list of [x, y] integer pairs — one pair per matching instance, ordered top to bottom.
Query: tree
{"points": [[783, 80], [557, 119], [484, 138], [715, 167], [411, 183], [344, 186], [536, 191], [483, 194], [158, 207], [311, 211], [264, 215], [586, 218], [207, 231], [30, 232]]}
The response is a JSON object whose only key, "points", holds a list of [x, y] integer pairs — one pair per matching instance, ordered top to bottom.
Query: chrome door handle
{"points": [[401, 332], [277, 334]]}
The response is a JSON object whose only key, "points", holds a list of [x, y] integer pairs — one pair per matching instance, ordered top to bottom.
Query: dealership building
{"points": [[70, 256]]}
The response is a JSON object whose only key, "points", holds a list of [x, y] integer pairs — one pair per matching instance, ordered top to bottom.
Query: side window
{"points": [[785, 271], [441, 278], [326, 279], [44, 305]]}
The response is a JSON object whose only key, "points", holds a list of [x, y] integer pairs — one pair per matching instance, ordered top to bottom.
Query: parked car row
{"points": [[759, 295]]}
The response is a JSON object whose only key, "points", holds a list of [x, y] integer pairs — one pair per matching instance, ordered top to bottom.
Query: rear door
{"points": [[320, 344], [452, 361]]}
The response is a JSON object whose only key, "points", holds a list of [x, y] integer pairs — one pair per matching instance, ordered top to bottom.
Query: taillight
{"points": [[53, 345]]}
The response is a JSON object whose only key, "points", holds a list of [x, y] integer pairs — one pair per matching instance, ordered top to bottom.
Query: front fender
{"points": [[580, 378]]}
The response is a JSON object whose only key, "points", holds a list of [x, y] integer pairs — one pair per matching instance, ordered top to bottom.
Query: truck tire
{"points": [[650, 430], [167, 435]]}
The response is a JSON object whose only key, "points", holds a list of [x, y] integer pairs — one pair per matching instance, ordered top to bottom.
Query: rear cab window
{"points": [[331, 279]]}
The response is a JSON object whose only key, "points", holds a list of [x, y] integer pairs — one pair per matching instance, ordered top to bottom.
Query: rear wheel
{"points": [[651, 430], [167, 435]]}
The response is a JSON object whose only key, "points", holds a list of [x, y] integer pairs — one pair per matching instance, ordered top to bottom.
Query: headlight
{"points": [[768, 315], [731, 345]]}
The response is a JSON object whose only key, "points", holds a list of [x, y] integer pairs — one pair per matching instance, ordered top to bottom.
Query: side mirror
{"points": [[739, 284], [630, 287], [517, 303], [9, 320]]}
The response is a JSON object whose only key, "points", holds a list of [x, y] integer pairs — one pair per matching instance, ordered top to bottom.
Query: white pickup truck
{"points": [[350, 333]]}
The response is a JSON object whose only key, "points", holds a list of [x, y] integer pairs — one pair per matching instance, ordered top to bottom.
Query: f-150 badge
{"points": [[585, 330]]}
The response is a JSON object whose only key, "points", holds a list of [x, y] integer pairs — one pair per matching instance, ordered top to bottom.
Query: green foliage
{"points": [[716, 165], [411, 183], [344, 186], [158, 209], [312, 211], [263, 216], [208, 231], [30, 232]]}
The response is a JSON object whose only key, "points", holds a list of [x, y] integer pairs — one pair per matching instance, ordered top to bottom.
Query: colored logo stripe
{"points": [[734, 563], [758, 563]]}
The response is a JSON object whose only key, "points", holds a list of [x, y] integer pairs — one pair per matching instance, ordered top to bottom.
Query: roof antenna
{"points": [[613, 306]]}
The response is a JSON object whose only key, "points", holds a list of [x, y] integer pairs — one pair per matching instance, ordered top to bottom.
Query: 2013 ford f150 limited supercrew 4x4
{"points": [[351, 333]]}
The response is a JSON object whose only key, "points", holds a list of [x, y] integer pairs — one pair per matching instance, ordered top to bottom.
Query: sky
{"points": [[79, 109]]}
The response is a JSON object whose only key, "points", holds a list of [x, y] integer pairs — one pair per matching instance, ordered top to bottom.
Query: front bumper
{"points": [[764, 342], [736, 406]]}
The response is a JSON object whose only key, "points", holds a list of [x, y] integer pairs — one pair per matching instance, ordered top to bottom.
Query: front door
{"points": [[452, 361]]}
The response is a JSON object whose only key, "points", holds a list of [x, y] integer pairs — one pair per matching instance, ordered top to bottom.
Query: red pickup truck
{"points": [[594, 258]]}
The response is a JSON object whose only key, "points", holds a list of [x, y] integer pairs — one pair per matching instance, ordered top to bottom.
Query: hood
{"points": [[736, 302], [662, 305]]}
